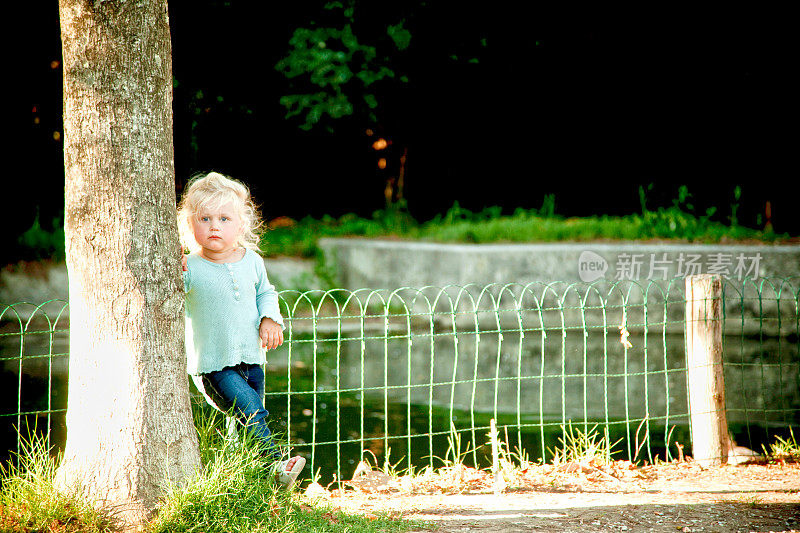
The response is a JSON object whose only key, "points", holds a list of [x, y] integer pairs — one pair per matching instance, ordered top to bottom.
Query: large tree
{"points": [[129, 424]]}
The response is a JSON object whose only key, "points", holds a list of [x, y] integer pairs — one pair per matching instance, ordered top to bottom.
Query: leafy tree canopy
{"points": [[335, 72]]}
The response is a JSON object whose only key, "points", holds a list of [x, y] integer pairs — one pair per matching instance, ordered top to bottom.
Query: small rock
{"points": [[739, 455], [364, 478], [316, 492]]}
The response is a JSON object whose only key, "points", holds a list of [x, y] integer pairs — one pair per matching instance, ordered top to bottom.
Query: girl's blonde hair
{"points": [[210, 192]]}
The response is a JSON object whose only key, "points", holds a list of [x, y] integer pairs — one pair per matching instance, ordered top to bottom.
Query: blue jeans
{"points": [[240, 388]]}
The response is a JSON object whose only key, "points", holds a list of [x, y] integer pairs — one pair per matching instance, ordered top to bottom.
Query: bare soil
{"points": [[674, 497]]}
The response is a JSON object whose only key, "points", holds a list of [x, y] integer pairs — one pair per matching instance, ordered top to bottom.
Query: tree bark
{"points": [[129, 424]]}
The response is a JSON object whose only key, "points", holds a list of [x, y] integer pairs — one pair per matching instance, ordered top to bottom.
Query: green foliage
{"points": [[400, 35], [333, 60], [334, 70], [737, 194], [677, 222], [301, 239], [41, 243], [586, 447], [784, 449], [236, 492], [30, 499]]}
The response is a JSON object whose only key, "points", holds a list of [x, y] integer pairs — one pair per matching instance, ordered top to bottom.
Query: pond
{"points": [[397, 395]]}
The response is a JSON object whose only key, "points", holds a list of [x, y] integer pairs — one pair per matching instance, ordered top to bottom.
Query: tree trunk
{"points": [[129, 423]]}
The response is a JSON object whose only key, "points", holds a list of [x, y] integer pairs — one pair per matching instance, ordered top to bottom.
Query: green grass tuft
{"points": [[677, 222], [578, 446], [784, 449], [236, 492], [30, 500]]}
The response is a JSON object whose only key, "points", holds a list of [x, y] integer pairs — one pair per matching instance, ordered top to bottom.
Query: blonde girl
{"points": [[232, 311]]}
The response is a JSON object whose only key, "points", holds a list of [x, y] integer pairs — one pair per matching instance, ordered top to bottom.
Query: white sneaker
{"points": [[287, 477]]}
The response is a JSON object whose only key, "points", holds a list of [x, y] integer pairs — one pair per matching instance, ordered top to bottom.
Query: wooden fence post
{"points": [[706, 384]]}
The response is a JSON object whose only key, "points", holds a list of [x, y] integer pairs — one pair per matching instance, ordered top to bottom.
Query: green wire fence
{"points": [[400, 374]]}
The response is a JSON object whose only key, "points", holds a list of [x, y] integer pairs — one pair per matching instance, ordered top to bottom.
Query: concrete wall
{"points": [[391, 264], [615, 273], [576, 283]]}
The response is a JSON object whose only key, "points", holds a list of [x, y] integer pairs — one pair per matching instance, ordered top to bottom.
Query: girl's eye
{"points": [[224, 219]]}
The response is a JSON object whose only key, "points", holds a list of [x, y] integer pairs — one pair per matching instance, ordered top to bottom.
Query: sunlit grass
{"points": [[680, 221], [677, 222], [588, 447], [784, 449], [578, 453], [237, 492], [30, 500]]}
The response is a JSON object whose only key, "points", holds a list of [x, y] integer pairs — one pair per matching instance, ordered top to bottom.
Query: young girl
{"points": [[232, 310]]}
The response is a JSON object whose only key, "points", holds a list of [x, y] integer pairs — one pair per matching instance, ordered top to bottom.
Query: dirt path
{"points": [[678, 497]]}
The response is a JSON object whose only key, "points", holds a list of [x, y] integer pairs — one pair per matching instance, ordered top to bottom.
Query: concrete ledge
{"points": [[391, 264], [572, 282], [567, 285]]}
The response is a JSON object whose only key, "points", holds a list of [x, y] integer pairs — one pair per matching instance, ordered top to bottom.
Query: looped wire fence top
{"points": [[34, 362], [400, 373]]}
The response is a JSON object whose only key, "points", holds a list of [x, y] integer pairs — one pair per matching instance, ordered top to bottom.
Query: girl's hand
{"points": [[183, 258], [271, 333]]}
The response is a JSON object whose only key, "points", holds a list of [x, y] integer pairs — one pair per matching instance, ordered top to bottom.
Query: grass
{"points": [[680, 221], [677, 222], [582, 447], [784, 449], [578, 451], [581, 455], [234, 493], [30, 500]]}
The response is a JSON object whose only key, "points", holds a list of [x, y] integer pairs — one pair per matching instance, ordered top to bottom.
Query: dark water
{"points": [[348, 393]]}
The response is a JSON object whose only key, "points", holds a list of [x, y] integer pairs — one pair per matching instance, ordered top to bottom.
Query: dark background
{"points": [[583, 103]]}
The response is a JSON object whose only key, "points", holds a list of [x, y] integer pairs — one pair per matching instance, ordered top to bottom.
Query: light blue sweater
{"points": [[225, 303]]}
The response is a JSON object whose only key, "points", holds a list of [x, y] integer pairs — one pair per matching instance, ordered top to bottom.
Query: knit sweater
{"points": [[225, 303]]}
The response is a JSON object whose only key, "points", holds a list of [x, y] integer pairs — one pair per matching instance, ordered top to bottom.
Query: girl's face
{"points": [[217, 232]]}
